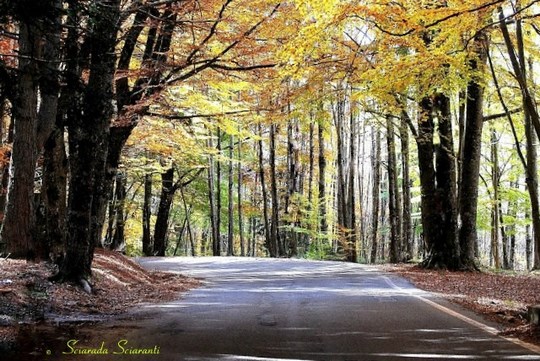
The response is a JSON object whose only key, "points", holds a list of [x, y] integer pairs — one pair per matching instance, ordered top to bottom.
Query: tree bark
{"points": [[38, 62], [532, 121], [88, 137], [472, 147], [529, 163], [5, 175], [311, 178], [438, 184], [293, 185], [532, 186], [218, 190], [375, 193], [54, 195], [240, 202], [394, 208], [164, 209], [187, 211], [496, 212], [343, 213], [19, 222], [323, 224], [230, 229], [406, 230], [275, 237], [118, 239], [147, 244], [216, 244], [528, 245], [270, 246], [352, 253]]}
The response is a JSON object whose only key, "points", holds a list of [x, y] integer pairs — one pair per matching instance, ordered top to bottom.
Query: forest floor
{"points": [[27, 296], [499, 297]]}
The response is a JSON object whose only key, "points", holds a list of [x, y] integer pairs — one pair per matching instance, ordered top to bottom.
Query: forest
{"points": [[371, 132]]}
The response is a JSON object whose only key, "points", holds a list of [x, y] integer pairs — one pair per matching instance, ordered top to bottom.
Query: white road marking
{"points": [[470, 321]]}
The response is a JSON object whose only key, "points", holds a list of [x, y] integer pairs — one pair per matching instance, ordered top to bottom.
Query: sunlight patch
{"points": [[429, 356]]}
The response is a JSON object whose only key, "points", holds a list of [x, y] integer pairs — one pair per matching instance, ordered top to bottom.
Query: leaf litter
{"points": [[119, 284], [500, 297]]}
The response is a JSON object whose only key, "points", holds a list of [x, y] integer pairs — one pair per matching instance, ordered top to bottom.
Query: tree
{"points": [[36, 83], [88, 137], [472, 144], [438, 183], [376, 190], [394, 202], [147, 244]]}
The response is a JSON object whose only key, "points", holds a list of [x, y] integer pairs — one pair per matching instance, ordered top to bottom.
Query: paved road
{"points": [[267, 309]]}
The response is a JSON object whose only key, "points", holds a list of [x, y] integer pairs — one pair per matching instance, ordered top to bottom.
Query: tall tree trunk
{"points": [[38, 62], [462, 112], [532, 122], [50, 125], [88, 137], [472, 146], [426, 151], [529, 163], [5, 174], [311, 178], [446, 183], [293, 184], [438, 184], [532, 187], [218, 189], [375, 193], [54, 194], [362, 194], [240, 202], [394, 208], [187, 211], [496, 211], [343, 213], [162, 220], [19, 222], [230, 223], [274, 224], [323, 224], [406, 229], [180, 236], [118, 239], [147, 244], [216, 244], [528, 244], [270, 246], [510, 246], [352, 254]]}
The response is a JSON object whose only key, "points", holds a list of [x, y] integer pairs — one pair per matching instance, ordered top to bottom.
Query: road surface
{"points": [[278, 309]]}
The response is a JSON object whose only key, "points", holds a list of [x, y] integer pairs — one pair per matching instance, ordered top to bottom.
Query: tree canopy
{"points": [[362, 131]]}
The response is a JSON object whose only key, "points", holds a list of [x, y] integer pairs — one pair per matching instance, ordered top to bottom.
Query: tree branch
{"points": [[438, 21], [210, 62], [242, 68], [188, 117], [488, 118]]}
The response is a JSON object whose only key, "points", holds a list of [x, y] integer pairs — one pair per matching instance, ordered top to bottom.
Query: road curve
{"points": [[280, 309]]}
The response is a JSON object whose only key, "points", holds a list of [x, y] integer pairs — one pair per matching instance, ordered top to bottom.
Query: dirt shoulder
{"points": [[26, 295], [502, 298]]}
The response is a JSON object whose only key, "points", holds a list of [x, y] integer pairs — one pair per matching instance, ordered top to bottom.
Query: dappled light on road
{"points": [[282, 309], [287, 309]]}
